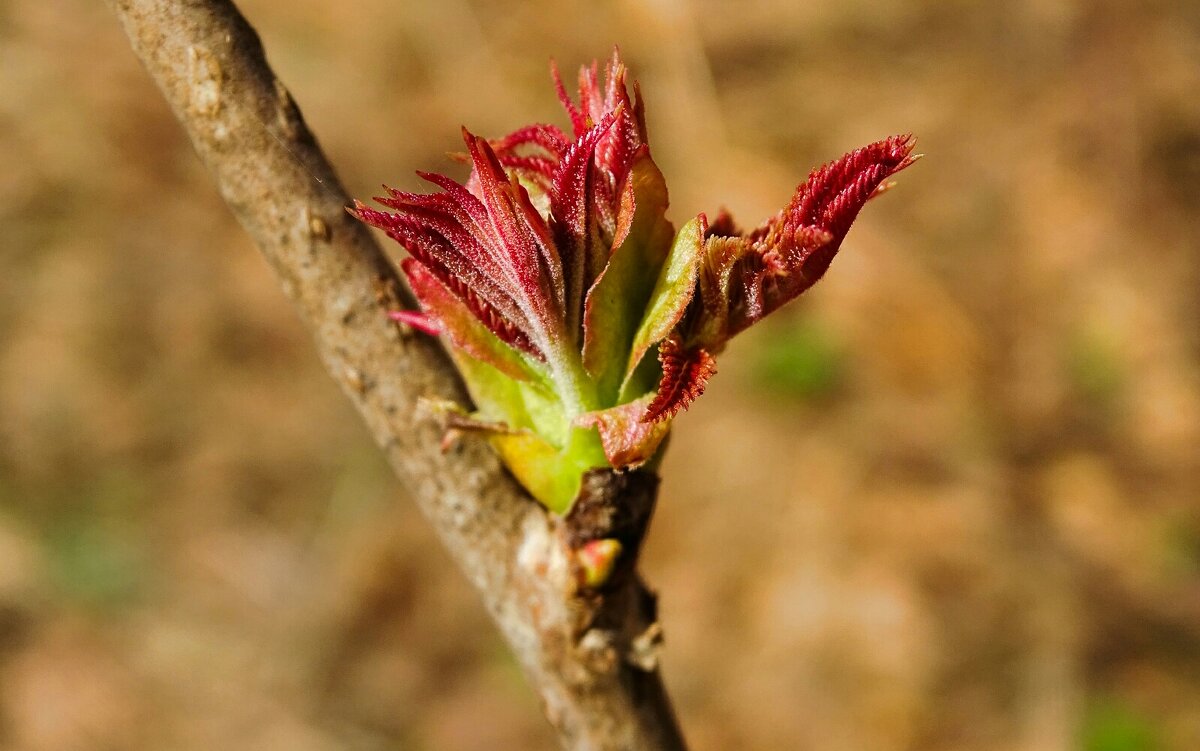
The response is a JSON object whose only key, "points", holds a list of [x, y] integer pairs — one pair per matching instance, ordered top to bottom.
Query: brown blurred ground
{"points": [[949, 501]]}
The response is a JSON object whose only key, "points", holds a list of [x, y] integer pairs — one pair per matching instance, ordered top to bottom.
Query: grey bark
{"points": [[591, 657]]}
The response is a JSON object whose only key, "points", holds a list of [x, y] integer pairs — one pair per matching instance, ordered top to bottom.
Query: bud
{"points": [[581, 320]]}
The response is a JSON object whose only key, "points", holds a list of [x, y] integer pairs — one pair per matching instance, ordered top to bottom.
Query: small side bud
{"points": [[597, 558]]}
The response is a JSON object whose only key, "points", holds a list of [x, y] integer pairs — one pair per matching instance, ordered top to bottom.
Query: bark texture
{"points": [[591, 656]]}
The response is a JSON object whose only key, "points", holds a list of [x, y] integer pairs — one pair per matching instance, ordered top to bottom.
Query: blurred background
{"points": [[948, 500]]}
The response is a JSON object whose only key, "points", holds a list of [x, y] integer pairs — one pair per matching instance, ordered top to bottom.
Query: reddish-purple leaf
{"points": [[578, 123], [549, 138], [617, 150], [574, 225], [532, 260], [456, 266], [746, 277], [420, 321], [470, 328], [685, 373], [628, 437]]}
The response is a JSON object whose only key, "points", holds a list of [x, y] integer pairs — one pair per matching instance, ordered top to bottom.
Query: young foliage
{"points": [[554, 272]]}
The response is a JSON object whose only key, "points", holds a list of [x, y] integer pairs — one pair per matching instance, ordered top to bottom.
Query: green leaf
{"points": [[672, 293], [617, 301], [497, 397], [548, 456], [551, 475]]}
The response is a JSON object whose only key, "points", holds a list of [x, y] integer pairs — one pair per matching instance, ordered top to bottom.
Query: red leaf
{"points": [[578, 123], [549, 138], [616, 151], [533, 153], [833, 195], [574, 225], [529, 256], [457, 266], [746, 277], [459, 315], [417, 320], [685, 373], [628, 437]]}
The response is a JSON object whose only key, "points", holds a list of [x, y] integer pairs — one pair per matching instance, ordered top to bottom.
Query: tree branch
{"points": [[590, 656]]}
